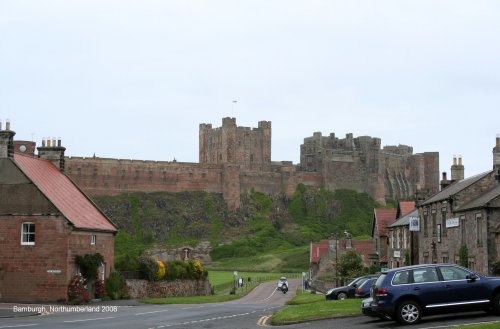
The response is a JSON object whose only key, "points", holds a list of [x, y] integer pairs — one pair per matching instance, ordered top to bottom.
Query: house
{"points": [[464, 215], [382, 218], [45, 221], [400, 240], [325, 254]]}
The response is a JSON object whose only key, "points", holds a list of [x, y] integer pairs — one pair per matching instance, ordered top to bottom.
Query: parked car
{"points": [[363, 289], [346, 291], [407, 293]]}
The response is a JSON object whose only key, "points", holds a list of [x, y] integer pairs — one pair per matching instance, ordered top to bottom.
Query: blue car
{"points": [[363, 290], [407, 293]]}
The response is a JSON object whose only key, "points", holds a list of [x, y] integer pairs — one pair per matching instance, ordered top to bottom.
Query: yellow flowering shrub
{"points": [[160, 273]]}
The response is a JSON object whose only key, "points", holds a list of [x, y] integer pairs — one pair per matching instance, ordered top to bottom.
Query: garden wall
{"points": [[157, 289]]}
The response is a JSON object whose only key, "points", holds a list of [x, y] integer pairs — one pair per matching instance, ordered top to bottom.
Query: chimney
{"points": [[6, 141], [52, 152], [496, 158], [457, 169], [444, 181]]}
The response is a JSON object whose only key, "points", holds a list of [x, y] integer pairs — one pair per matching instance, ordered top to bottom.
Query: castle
{"points": [[233, 160]]}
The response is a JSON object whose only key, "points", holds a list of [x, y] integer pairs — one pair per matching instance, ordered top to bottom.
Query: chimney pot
{"points": [[0, 124], [7, 124], [498, 140], [43, 142], [53, 142], [59, 142], [459, 160], [444, 175]]}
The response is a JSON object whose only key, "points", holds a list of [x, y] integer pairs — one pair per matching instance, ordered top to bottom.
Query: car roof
{"points": [[410, 267]]}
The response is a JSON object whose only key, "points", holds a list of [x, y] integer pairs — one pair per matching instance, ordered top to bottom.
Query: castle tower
{"points": [[6, 141], [230, 144], [52, 152], [496, 158], [457, 169]]}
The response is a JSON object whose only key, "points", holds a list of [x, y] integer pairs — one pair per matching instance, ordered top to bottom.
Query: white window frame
{"points": [[27, 233], [93, 239]]}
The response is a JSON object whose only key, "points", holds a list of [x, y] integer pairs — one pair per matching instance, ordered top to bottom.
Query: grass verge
{"points": [[308, 307], [487, 325]]}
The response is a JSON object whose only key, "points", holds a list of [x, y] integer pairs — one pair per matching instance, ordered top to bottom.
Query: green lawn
{"points": [[307, 307]]}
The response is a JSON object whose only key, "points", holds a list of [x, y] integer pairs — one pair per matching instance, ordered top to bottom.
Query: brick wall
{"points": [[25, 270], [41, 272]]}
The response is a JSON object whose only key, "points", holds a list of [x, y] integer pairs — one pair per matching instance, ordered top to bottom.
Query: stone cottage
{"points": [[466, 213], [45, 221]]}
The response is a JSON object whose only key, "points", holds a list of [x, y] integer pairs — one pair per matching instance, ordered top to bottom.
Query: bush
{"points": [[89, 265], [148, 268], [160, 272], [116, 287], [100, 289], [77, 290]]}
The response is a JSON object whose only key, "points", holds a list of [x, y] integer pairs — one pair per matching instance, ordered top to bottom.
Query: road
{"points": [[252, 311]]}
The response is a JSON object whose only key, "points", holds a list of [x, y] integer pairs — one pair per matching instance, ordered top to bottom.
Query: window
{"points": [[443, 216], [425, 224], [434, 227], [462, 227], [478, 230], [28, 234], [92, 239], [453, 273], [426, 274], [401, 278]]}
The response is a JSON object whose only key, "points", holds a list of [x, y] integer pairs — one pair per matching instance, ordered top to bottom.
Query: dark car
{"points": [[363, 289], [346, 291], [407, 293]]}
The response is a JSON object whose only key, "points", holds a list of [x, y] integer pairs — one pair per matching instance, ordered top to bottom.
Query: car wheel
{"points": [[341, 295], [496, 304], [409, 312]]}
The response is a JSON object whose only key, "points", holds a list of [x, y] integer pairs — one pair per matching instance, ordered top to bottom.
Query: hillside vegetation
{"points": [[265, 229]]}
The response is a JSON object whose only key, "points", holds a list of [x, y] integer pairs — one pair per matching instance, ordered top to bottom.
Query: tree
{"points": [[350, 264]]}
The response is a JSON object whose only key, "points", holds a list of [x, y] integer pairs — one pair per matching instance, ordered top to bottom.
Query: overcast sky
{"points": [[134, 79]]}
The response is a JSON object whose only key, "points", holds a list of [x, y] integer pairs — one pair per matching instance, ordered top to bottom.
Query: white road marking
{"points": [[152, 312], [95, 319], [459, 325]]}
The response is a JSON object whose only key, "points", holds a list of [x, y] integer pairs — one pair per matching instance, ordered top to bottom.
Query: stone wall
{"points": [[158, 289]]}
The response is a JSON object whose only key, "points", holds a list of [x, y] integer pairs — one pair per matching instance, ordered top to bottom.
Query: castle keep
{"points": [[233, 160]]}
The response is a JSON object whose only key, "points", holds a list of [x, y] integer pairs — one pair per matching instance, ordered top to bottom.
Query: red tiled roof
{"points": [[64, 194], [405, 207], [382, 218], [318, 250]]}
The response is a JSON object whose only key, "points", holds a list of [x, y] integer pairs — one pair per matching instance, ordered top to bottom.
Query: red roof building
{"points": [[382, 218], [45, 222]]}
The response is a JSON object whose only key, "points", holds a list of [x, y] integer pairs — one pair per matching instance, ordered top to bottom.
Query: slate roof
{"points": [[455, 188], [64, 194], [482, 200], [382, 218], [405, 220]]}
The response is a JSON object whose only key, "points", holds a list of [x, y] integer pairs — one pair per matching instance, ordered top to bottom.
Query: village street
{"points": [[251, 311]]}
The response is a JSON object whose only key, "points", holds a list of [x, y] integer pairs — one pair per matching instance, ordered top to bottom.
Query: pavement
{"points": [[12, 310]]}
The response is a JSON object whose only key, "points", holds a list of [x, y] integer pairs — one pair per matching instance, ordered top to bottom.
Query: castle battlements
{"points": [[233, 160]]}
